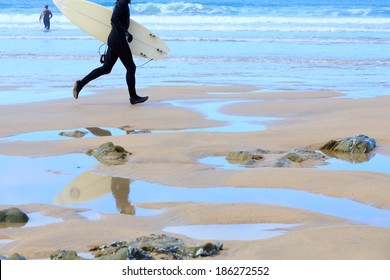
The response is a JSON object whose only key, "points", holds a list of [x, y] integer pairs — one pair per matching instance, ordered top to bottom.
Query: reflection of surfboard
{"points": [[96, 20], [86, 187]]}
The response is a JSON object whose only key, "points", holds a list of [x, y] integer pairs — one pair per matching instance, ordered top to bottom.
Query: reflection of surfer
{"points": [[46, 14], [118, 47], [120, 188]]}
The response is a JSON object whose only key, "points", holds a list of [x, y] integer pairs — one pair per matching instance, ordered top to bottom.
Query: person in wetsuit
{"points": [[46, 14], [118, 47]]}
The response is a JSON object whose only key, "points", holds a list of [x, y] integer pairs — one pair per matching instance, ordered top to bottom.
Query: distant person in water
{"points": [[46, 14], [118, 47]]}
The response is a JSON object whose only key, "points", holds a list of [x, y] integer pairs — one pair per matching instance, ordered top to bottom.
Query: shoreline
{"points": [[307, 120]]}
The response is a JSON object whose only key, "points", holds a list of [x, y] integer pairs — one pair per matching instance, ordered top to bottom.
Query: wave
{"points": [[258, 9], [6, 18], [280, 40]]}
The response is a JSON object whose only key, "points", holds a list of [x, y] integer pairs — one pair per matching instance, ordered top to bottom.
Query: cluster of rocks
{"points": [[352, 149], [153, 247]]}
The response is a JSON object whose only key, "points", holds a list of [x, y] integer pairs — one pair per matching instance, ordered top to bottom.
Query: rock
{"points": [[130, 130], [74, 134], [360, 144], [110, 154], [298, 156], [242, 157], [13, 215], [207, 250], [65, 255], [16, 257]]}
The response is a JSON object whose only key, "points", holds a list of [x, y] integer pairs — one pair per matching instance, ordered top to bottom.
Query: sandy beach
{"points": [[171, 158]]}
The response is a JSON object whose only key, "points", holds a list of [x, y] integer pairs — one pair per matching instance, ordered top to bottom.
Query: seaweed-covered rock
{"points": [[75, 134], [356, 144], [109, 154], [298, 156], [13, 215], [154, 247]]}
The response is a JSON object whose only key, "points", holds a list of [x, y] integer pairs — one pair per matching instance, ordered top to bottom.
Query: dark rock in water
{"points": [[75, 134], [360, 144], [109, 154], [299, 156], [13, 215], [153, 247], [65, 255]]}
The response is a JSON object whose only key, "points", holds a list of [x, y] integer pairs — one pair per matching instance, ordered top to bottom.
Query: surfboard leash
{"points": [[103, 56], [142, 65]]}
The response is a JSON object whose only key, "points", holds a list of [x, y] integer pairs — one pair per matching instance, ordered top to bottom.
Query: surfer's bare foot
{"points": [[76, 89], [138, 99]]}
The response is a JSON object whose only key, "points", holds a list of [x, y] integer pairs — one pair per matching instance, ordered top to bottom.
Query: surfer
{"points": [[46, 14], [118, 47]]}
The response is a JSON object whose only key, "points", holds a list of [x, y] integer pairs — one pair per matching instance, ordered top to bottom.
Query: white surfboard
{"points": [[96, 21]]}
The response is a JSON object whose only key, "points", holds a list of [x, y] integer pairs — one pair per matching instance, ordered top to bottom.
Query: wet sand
{"points": [[170, 157]]}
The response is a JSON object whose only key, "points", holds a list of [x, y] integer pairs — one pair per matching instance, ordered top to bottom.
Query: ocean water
{"points": [[278, 45]]}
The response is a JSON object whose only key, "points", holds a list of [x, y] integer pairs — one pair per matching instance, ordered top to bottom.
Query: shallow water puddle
{"points": [[211, 110], [51, 135], [374, 163], [65, 180], [143, 192], [38, 219], [244, 232], [5, 241]]}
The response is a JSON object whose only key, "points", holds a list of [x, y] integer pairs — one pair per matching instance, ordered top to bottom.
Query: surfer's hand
{"points": [[129, 37]]}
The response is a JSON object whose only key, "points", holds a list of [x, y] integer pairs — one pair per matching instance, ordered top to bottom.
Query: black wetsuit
{"points": [[47, 15], [118, 47]]}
